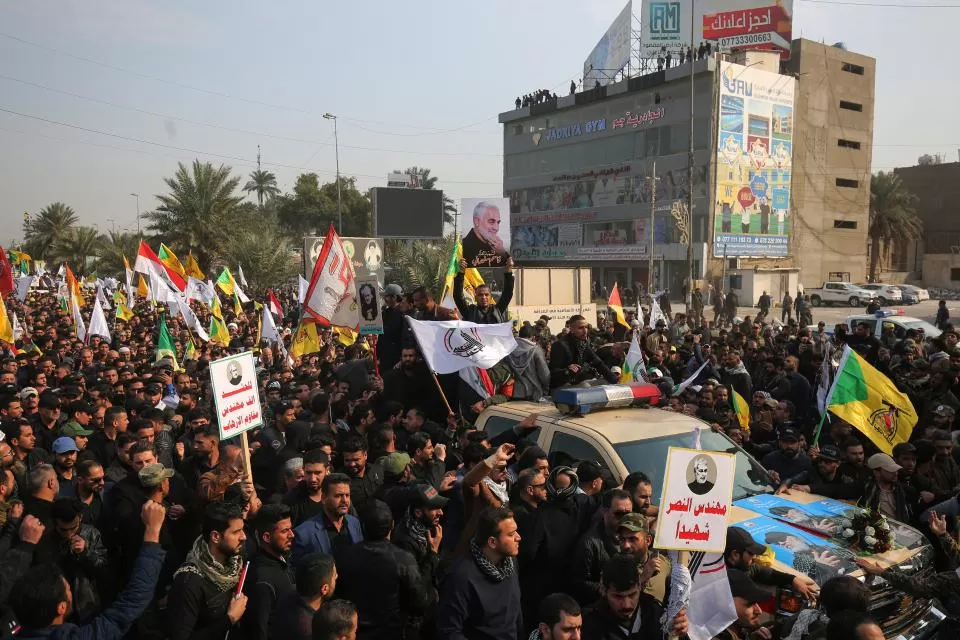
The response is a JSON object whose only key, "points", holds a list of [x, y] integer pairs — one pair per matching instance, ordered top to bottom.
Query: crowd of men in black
{"points": [[372, 511]]}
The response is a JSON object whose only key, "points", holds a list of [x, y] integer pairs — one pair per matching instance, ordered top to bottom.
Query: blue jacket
{"points": [[311, 536], [116, 620]]}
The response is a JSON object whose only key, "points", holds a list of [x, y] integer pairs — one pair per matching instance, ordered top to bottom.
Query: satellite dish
{"points": [[840, 45]]}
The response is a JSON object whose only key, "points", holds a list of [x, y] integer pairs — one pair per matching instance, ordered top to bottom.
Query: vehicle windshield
{"points": [[650, 457]]}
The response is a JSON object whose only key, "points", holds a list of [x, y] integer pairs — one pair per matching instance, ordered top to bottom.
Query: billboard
{"points": [[728, 24], [612, 53], [754, 163], [399, 212], [365, 253]]}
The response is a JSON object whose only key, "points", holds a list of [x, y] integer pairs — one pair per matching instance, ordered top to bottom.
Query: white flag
{"points": [[128, 276], [243, 279], [331, 281], [302, 285], [23, 287], [200, 290], [240, 294], [102, 299], [348, 311], [656, 313], [190, 318], [78, 321], [98, 322], [17, 328], [269, 332], [454, 345], [633, 365], [471, 375], [826, 378], [680, 388], [710, 609]]}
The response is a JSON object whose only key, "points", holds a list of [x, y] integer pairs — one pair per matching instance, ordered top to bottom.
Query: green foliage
{"points": [[263, 184], [312, 207], [892, 215], [43, 231], [79, 246], [113, 247], [266, 254], [419, 263]]}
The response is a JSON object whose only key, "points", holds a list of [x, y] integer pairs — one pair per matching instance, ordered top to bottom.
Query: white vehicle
{"points": [[840, 293], [886, 293], [922, 294], [893, 319]]}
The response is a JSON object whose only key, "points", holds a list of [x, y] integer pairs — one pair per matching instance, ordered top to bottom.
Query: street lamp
{"points": [[336, 151], [137, 196]]}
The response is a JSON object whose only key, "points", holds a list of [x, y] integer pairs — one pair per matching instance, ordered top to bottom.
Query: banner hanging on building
{"points": [[752, 215]]}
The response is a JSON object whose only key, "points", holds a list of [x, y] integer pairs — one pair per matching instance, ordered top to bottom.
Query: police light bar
{"points": [[886, 313], [584, 400]]}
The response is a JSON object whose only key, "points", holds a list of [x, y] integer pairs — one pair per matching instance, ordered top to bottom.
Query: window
{"points": [[849, 67], [851, 106], [849, 144], [844, 182], [844, 224], [955, 274], [495, 425], [569, 450]]}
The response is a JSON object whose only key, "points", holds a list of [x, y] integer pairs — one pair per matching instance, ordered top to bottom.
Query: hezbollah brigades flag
{"points": [[165, 347], [869, 401]]}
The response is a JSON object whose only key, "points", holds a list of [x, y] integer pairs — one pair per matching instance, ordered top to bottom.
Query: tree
{"points": [[428, 181], [262, 183], [312, 207], [195, 213], [892, 215], [42, 232], [79, 246], [113, 247], [267, 255], [419, 263]]}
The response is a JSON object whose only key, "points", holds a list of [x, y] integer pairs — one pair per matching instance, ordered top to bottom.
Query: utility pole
{"points": [[336, 152], [137, 196], [653, 209], [723, 273], [689, 294]]}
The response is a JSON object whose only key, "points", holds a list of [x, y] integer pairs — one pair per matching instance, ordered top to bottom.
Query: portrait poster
{"points": [[485, 230], [368, 298], [236, 394], [695, 505]]}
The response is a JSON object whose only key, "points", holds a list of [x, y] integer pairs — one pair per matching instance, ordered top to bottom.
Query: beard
{"points": [[789, 453]]}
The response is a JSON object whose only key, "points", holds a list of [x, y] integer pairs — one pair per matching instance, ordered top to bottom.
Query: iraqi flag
{"points": [[149, 263], [274, 304], [453, 345]]}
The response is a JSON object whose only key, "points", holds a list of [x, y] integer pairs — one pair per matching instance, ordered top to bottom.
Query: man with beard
{"points": [[483, 246], [483, 312], [388, 351], [573, 361], [736, 375], [412, 385], [46, 422], [19, 435], [102, 445], [905, 455], [205, 458], [428, 461], [787, 461], [65, 462], [853, 468], [943, 471], [365, 478], [825, 478], [90, 480], [885, 493], [526, 496], [306, 499], [334, 529], [420, 533], [635, 537], [740, 552], [268, 580], [316, 580], [746, 598], [202, 602], [624, 610], [559, 618]]}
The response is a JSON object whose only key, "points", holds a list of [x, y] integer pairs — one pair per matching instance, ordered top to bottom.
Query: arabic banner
{"points": [[754, 164], [368, 295], [236, 394], [697, 492]]}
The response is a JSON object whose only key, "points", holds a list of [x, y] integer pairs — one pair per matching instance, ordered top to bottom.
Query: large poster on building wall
{"points": [[727, 24], [612, 53], [754, 163]]}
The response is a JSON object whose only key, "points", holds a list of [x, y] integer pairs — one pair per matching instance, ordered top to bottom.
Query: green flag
{"points": [[165, 348]]}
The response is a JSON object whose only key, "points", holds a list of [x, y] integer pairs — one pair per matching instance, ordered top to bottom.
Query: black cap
{"points": [[152, 388], [8, 389], [71, 391], [49, 400], [80, 406], [789, 435], [904, 448], [829, 452], [589, 470], [427, 497], [739, 540], [741, 586]]}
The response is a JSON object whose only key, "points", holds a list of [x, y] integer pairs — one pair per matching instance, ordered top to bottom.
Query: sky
{"points": [[100, 99]]}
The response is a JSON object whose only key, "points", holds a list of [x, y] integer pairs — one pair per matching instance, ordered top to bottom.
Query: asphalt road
{"points": [[926, 310]]}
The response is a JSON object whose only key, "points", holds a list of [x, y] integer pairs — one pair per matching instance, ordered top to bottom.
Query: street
{"points": [[926, 310]]}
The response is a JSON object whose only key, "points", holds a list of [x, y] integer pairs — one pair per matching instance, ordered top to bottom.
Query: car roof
{"points": [[886, 319], [626, 424]]}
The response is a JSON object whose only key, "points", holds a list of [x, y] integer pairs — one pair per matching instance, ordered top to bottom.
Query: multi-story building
{"points": [[933, 259]]}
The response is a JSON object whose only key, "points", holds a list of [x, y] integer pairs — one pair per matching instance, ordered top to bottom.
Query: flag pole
{"points": [[436, 381], [816, 434]]}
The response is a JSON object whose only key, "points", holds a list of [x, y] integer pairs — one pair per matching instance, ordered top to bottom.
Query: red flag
{"points": [[148, 262], [6, 274], [275, 307]]}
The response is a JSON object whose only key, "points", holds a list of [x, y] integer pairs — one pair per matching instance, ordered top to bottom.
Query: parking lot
{"points": [[926, 310]]}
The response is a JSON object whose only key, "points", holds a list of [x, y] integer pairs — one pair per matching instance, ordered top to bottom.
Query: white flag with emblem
{"points": [[453, 345]]}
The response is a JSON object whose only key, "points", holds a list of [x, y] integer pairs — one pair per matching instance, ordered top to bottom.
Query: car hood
{"points": [[802, 531]]}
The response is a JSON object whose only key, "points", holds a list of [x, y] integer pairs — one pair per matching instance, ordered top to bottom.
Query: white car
{"points": [[886, 293], [921, 294], [893, 319]]}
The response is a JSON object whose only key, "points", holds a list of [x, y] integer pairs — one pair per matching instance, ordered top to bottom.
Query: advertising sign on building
{"points": [[728, 24], [612, 53], [754, 163], [236, 394]]}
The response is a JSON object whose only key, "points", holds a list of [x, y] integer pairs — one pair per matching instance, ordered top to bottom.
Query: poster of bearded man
{"points": [[485, 228]]}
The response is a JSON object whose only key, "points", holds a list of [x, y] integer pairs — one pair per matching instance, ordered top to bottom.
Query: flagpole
{"points": [[436, 381], [816, 434]]}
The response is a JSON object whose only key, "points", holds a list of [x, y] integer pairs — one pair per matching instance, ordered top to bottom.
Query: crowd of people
{"points": [[537, 97], [375, 508]]}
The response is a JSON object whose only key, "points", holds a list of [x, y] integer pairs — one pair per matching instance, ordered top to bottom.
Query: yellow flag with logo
{"points": [[193, 268], [6, 328], [306, 340]]}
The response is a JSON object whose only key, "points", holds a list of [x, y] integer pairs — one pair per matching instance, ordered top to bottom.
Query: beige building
{"points": [[832, 157]]}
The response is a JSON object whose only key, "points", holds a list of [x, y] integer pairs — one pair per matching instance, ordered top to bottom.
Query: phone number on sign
{"points": [[754, 38]]}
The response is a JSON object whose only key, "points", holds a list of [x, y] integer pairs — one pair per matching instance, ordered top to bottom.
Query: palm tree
{"points": [[428, 181], [264, 184], [195, 212], [892, 216], [41, 232], [80, 246], [114, 246], [266, 254], [420, 263]]}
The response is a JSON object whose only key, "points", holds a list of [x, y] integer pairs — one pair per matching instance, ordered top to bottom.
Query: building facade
{"points": [[934, 259]]}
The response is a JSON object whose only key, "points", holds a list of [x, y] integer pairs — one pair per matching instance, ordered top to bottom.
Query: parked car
{"points": [[840, 292], [886, 293], [921, 293], [909, 298], [893, 319]]}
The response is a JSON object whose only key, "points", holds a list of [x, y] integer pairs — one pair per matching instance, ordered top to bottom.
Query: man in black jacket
{"points": [[483, 312], [388, 348], [573, 361], [420, 533], [595, 547], [739, 554], [316, 578], [381, 579], [268, 580]]}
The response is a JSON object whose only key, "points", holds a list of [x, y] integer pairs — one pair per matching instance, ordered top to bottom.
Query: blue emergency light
{"points": [[886, 313], [584, 400]]}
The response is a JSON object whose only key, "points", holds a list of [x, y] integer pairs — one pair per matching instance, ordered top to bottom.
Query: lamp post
{"points": [[336, 151], [137, 196]]}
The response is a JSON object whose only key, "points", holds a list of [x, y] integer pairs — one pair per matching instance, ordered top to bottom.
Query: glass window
{"points": [[701, 133], [680, 137], [653, 142], [640, 145], [665, 147], [495, 425], [568, 450], [650, 457]]}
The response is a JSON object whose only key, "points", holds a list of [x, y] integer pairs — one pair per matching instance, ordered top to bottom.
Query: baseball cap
{"points": [[393, 290], [546, 318], [274, 386], [152, 388], [27, 392], [49, 400], [80, 407], [944, 410], [73, 429], [789, 435], [63, 445], [904, 448], [829, 452], [882, 461], [395, 463], [589, 470], [153, 474], [428, 497], [635, 522], [739, 540], [741, 586]]}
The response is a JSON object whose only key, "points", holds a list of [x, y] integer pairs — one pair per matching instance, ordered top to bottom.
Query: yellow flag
{"points": [[170, 260], [126, 263], [193, 268], [471, 278], [142, 289], [614, 304], [237, 309], [123, 311], [6, 329], [219, 334], [345, 335], [306, 340]]}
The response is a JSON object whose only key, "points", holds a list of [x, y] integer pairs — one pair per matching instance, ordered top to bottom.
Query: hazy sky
{"points": [[413, 83]]}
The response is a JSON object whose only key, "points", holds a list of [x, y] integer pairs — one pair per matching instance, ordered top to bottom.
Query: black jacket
{"points": [[492, 314], [390, 345], [564, 353], [362, 489], [590, 553], [427, 559], [86, 572], [268, 581], [385, 584], [474, 607], [197, 609], [600, 624]]}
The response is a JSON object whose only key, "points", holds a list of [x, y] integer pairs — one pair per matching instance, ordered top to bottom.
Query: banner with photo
{"points": [[754, 163], [485, 229], [368, 297]]}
